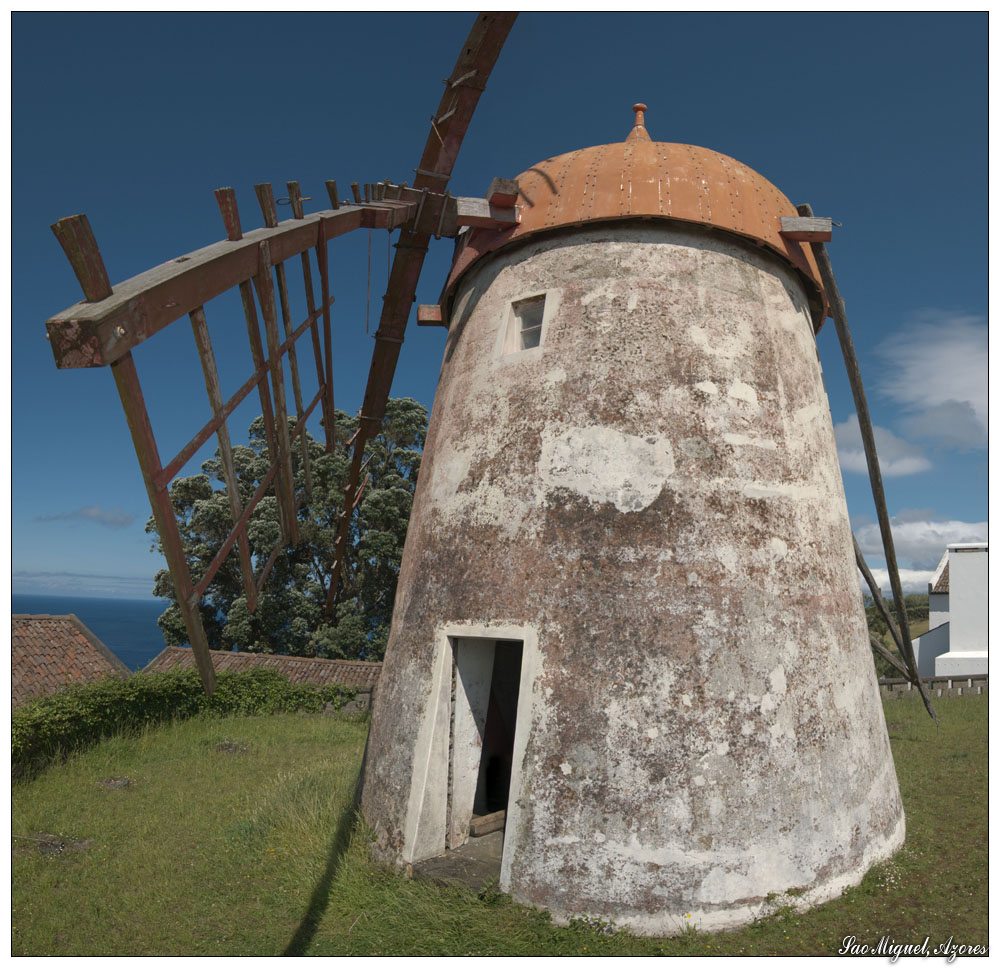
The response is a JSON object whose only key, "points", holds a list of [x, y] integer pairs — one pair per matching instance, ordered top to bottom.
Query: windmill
{"points": [[428, 774]]}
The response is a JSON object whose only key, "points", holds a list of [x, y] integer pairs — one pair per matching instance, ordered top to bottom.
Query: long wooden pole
{"points": [[468, 80], [839, 312], [127, 381]]}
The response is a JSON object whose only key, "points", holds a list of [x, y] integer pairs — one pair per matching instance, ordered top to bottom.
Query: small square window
{"points": [[524, 327]]}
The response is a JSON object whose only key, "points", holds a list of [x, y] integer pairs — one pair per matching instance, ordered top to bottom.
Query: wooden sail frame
{"points": [[111, 321]]}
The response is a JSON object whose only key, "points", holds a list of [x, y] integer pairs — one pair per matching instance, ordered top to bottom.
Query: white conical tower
{"points": [[628, 610]]}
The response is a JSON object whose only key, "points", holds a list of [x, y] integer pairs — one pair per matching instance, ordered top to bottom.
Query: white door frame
{"points": [[426, 829]]}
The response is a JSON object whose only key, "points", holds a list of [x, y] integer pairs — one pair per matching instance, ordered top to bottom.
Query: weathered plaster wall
{"points": [[654, 492]]}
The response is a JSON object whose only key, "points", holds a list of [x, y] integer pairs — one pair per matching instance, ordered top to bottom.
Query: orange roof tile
{"points": [[941, 585], [50, 652], [317, 672]]}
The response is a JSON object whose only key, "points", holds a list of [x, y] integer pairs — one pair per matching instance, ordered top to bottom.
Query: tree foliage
{"points": [[917, 608], [290, 616]]}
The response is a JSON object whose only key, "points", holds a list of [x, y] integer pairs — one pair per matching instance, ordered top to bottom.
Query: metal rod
{"points": [[839, 313], [200, 327], [127, 382]]}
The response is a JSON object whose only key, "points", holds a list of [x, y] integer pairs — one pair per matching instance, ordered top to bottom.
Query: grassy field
{"points": [[237, 837]]}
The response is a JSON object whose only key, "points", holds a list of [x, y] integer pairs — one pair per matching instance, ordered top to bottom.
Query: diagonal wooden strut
{"points": [[451, 121], [839, 313], [207, 356], [127, 381]]}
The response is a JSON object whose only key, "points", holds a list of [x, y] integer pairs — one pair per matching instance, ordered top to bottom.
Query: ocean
{"points": [[126, 626]]}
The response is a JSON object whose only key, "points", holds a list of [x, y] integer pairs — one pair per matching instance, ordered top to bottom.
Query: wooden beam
{"points": [[502, 192], [458, 211], [479, 212], [804, 229], [78, 242], [430, 316], [98, 333], [210, 371], [127, 381]]}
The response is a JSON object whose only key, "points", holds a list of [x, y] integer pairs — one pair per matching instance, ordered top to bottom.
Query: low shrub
{"points": [[52, 726]]}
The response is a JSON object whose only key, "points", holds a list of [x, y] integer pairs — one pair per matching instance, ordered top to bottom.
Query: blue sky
{"points": [[878, 120]]}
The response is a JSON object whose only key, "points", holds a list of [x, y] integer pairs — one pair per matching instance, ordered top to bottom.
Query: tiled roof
{"points": [[941, 585], [49, 652], [317, 672]]}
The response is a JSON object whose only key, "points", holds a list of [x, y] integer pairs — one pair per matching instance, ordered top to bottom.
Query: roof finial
{"points": [[639, 132]]}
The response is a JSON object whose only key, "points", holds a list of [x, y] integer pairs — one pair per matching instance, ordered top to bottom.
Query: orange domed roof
{"points": [[645, 179]]}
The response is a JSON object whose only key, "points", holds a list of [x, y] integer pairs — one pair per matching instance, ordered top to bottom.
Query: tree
{"points": [[917, 609], [290, 616]]}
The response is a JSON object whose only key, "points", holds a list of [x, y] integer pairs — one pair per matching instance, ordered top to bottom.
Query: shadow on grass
{"points": [[320, 899]]}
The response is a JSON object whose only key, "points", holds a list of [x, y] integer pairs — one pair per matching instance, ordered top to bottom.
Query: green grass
{"points": [[210, 852]]}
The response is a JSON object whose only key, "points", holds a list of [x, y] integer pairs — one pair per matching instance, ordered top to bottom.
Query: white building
{"points": [[956, 642]]}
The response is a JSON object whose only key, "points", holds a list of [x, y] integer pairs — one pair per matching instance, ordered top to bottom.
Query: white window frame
{"points": [[510, 330]]}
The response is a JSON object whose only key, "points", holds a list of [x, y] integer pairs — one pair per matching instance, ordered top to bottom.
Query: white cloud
{"points": [[936, 371], [896, 457], [114, 518], [920, 543], [913, 581]]}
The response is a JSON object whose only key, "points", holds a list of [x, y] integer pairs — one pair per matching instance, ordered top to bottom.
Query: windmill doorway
{"points": [[485, 686]]}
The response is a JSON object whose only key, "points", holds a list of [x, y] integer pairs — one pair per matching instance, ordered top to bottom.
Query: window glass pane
{"points": [[529, 312], [530, 338]]}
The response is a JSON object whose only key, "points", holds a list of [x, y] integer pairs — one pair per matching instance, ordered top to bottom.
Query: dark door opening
{"points": [[493, 787]]}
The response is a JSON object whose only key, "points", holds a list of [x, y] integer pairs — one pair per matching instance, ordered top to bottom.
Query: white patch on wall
{"points": [[555, 376], [743, 391], [806, 415], [743, 440], [605, 465], [777, 549], [777, 680]]}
